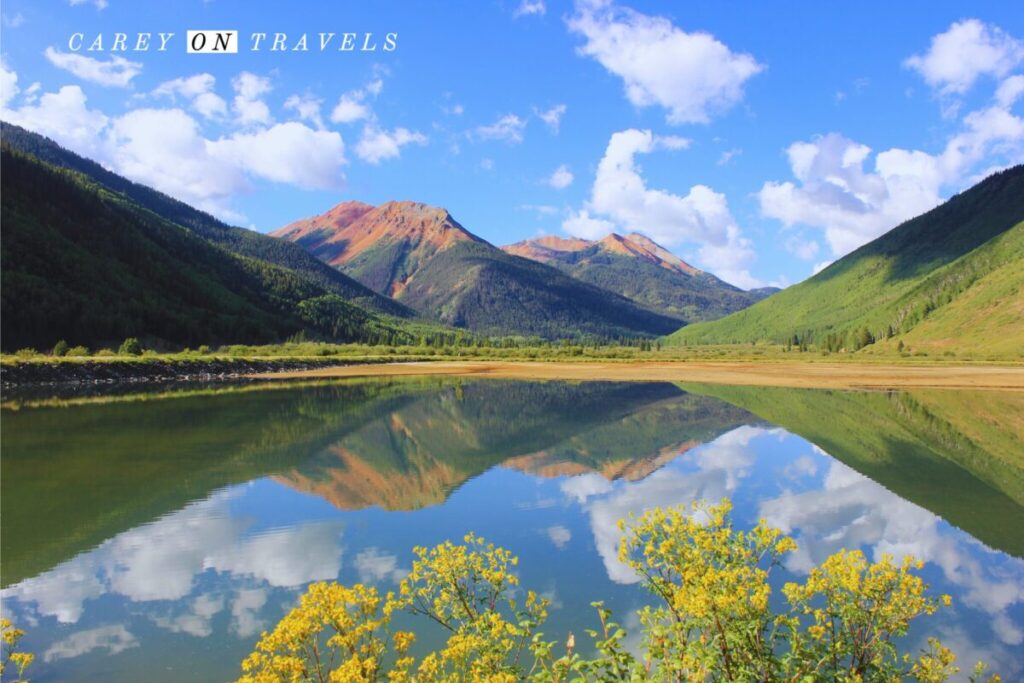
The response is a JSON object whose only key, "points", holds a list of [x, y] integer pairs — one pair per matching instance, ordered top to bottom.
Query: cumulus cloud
{"points": [[98, 4], [528, 7], [967, 50], [116, 72], [692, 75], [8, 83], [197, 89], [248, 104], [353, 105], [306, 107], [348, 110], [63, 116], [552, 118], [509, 128], [378, 144], [165, 149], [290, 153], [561, 178], [620, 199], [721, 466], [558, 535], [161, 561], [376, 567], [114, 638]]}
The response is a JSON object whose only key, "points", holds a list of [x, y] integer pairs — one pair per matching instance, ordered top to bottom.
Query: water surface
{"points": [[153, 538]]}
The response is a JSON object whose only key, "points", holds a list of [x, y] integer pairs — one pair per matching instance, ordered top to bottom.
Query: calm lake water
{"points": [[151, 539]]}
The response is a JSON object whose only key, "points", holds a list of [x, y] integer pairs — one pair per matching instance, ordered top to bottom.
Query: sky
{"points": [[758, 141]]}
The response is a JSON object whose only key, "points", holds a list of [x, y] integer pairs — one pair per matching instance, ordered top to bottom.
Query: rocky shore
{"points": [[138, 371]]}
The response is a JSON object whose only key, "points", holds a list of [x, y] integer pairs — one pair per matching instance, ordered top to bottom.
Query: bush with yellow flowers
{"points": [[712, 619], [11, 657]]}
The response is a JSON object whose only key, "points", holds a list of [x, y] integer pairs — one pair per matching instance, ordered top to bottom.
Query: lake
{"points": [[153, 536]]}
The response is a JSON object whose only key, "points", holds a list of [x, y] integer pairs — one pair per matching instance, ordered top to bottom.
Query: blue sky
{"points": [[756, 140]]}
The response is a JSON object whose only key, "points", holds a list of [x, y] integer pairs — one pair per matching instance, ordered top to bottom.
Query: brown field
{"points": [[787, 374]]}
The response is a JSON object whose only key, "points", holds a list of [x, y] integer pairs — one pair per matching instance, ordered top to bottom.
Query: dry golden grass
{"points": [[787, 374]]}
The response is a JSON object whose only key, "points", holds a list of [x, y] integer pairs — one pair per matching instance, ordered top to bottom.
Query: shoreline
{"points": [[121, 371], [782, 373], [816, 375]]}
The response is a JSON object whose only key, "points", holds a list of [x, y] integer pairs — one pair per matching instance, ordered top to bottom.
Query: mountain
{"points": [[236, 240], [423, 257], [87, 264], [643, 271], [951, 279]]}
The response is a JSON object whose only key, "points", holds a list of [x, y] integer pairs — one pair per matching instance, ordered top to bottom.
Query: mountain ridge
{"points": [[426, 259], [640, 269]]}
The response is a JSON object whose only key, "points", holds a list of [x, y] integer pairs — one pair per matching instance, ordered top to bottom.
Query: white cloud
{"points": [[98, 4], [528, 7], [13, 20], [967, 50], [117, 72], [692, 75], [8, 84], [198, 89], [1010, 91], [352, 105], [248, 106], [307, 108], [348, 110], [63, 116], [552, 118], [509, 128], [377, 144], [163, 148], [290, 153], [728, 155], [561, 178], [621, 199], [582, 224], [805, 249], [722, 465], [584, 486], [559, 535], [161, 561], [376, 567], [244, 609], [114, 638]]}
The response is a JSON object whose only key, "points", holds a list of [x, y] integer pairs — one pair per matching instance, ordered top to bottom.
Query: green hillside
{"points": [[236, 240], [84, 264], [953, 270], [477, 286]]}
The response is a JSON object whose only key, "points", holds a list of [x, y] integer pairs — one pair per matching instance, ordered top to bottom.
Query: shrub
{"points": [[130, 347], [60, 349], [203, 350], [78, 351], [26, 353], [104, 353], [712, 619], [11, 656]]}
